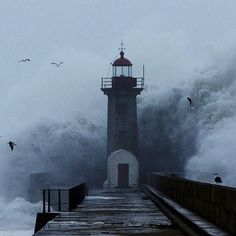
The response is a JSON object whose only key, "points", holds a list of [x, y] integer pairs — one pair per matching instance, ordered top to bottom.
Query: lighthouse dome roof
{"points": [[122, 61]]}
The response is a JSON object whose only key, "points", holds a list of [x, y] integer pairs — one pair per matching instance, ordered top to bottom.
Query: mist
{"points": [[57, 116], [197, 142]]}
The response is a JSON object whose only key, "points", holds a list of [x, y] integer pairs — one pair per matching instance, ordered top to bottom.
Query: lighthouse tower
{"points": [[122, 135]]}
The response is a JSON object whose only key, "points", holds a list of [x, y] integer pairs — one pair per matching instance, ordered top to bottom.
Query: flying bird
{"points": [[24, 60], [57, 64], [190, 103], [11, 144], [218, 179]]}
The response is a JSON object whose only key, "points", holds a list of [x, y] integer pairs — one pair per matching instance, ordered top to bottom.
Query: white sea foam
{"points": [[17, 217]]}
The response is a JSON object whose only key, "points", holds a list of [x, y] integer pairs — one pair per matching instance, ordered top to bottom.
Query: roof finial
{"points": [[121, 46], [121, 49]]}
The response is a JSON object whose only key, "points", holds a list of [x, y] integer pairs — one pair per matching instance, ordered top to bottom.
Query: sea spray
{"points": [[216, 124], [172, 137], [71, 152]]}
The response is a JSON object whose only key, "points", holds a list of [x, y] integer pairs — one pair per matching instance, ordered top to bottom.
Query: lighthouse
{"points": [[122, 131]]}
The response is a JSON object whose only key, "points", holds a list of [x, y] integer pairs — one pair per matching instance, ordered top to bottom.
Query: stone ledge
{"points": [[187, 220]]}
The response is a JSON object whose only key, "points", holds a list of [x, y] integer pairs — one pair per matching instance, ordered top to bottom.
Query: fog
{"points": [[57, 116]]}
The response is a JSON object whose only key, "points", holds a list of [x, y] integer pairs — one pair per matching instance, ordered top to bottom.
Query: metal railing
{"points": [[140, 82], [107, 83], [53, 199]]}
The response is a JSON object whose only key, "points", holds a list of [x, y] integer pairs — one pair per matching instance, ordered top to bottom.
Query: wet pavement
{"points": [[118, 212]]}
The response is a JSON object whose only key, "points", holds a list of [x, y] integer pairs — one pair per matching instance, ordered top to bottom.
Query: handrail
{"points": [[107, 83], [76, 196], [210, 201]]}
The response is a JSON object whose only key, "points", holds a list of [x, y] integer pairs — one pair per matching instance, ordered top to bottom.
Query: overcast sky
{"points": [[172, 39]]}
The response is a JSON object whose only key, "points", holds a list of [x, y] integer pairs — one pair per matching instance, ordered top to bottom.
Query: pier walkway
{"points": [[117, 212]]}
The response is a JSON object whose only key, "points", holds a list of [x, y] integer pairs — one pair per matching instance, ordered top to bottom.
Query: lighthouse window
{"points": [[126, 70], [119, 71], [122, 71], [121, 108]]}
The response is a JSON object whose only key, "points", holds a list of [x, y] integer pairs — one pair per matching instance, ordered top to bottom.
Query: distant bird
{"points": [[24, 60], [57, 64], [190, 102], [11, 144], [218, 179]]}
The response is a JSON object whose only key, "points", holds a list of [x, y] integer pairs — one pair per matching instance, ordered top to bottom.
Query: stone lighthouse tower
{"points": [[122, 136]]}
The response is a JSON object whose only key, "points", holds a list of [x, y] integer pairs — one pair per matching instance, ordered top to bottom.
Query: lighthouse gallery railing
{"points": [[107, 83]]}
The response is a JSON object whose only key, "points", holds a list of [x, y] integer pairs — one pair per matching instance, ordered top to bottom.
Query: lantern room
{"points": [[122, 67]]}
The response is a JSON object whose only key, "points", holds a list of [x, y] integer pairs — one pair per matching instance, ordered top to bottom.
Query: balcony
{"points": [[121, 83]]}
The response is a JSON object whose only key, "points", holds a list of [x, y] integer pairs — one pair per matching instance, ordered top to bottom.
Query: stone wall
{"points": [[122, 122], [213, 202]]}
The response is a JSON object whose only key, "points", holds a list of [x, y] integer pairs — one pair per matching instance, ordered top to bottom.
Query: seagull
{"points": [[24, 60], [57, 64], [190, 102], [11, 144], [218, 180]]}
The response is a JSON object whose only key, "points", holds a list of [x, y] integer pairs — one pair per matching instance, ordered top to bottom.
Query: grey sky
{"points": [[172, 38]]}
